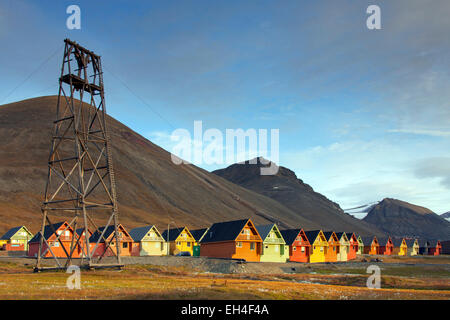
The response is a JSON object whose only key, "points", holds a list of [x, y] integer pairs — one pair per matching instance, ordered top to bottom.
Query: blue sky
{"points": [[363, 114]]}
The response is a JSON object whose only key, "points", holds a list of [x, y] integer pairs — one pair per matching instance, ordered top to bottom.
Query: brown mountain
{"points": [[151, 189], [287, 189], [399, 218]]}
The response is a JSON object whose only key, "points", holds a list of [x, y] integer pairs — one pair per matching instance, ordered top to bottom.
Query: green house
{"points": [[198, 235], [15, 237], [360, 246], [274, 248]]}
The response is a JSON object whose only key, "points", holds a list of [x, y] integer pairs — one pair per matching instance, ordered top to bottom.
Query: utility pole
{"points": [[80, 181]]}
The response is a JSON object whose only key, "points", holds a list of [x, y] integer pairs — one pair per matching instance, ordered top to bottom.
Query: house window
{"points": [[67, 233], [178, 243], [55, 244], [188, 244], [239, 244], [125, 245], [252, 246], [267, 247], [276, 248], [294, 248], [303, 249], [321, 249]]}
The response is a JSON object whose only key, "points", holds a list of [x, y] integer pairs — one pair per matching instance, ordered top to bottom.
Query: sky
{"points": [[362, 114]]}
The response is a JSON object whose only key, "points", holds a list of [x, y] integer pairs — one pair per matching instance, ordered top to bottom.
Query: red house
{"points": [[125, 242], [56, 243], [386, 245], [299, 246], [353, 248], [435, 248]]}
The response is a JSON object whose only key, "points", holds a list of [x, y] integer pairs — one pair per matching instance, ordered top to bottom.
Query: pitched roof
{"points": [[80, 230], [264, 230], [224, 231], [47, 232], [10, 233], [139, 233], [173, 233], [198, 233], [97, 234], [340, 234], [350, 234], [290, 235], [312, 235], [328, 235], [367, 240], [383, 240], [397, 241], [410, 242], [423, 242]]}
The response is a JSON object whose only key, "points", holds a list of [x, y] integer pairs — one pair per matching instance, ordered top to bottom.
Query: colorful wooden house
{"points": [[198, 235], [16, 239], [238, 239], [148, 241], [180, 241], [55, 244], [319, 245], [353, 245], [360, 245], [371, 245], [386, 245], [445, 245], [299, 246], [333, 246], [344, 246], [400, 246], [424, 246], [412, 247], [81, 248], [108, 248], [274, 248], [435, 248]]}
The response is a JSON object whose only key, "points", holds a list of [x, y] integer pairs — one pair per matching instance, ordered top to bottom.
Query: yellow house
{"points": [[16, 238], [180, 241], [148, 242], [319, 245], [344, 246], [400, 246], [412, 247]]}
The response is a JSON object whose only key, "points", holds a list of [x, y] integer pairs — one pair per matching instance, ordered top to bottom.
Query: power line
{"points": [[32, 73], [138, 97]]}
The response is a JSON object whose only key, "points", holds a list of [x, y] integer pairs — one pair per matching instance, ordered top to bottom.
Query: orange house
{"points": [[236, 239], [125, 242], [56, 243], [371, 245], [299, 246], [333, 246], [386, 246], [353, 248], [435, 249]]}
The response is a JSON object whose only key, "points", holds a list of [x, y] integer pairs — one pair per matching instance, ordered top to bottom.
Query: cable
{"points": [[32, 73], [137, 96]]}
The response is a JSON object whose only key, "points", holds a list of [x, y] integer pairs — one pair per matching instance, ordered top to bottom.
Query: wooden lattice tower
{"points": [[80, 185]]}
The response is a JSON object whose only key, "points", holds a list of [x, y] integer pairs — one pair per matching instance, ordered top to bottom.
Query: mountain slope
{"points": [[151, 189], [293, 193], [446, 216], [399, 218]]}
